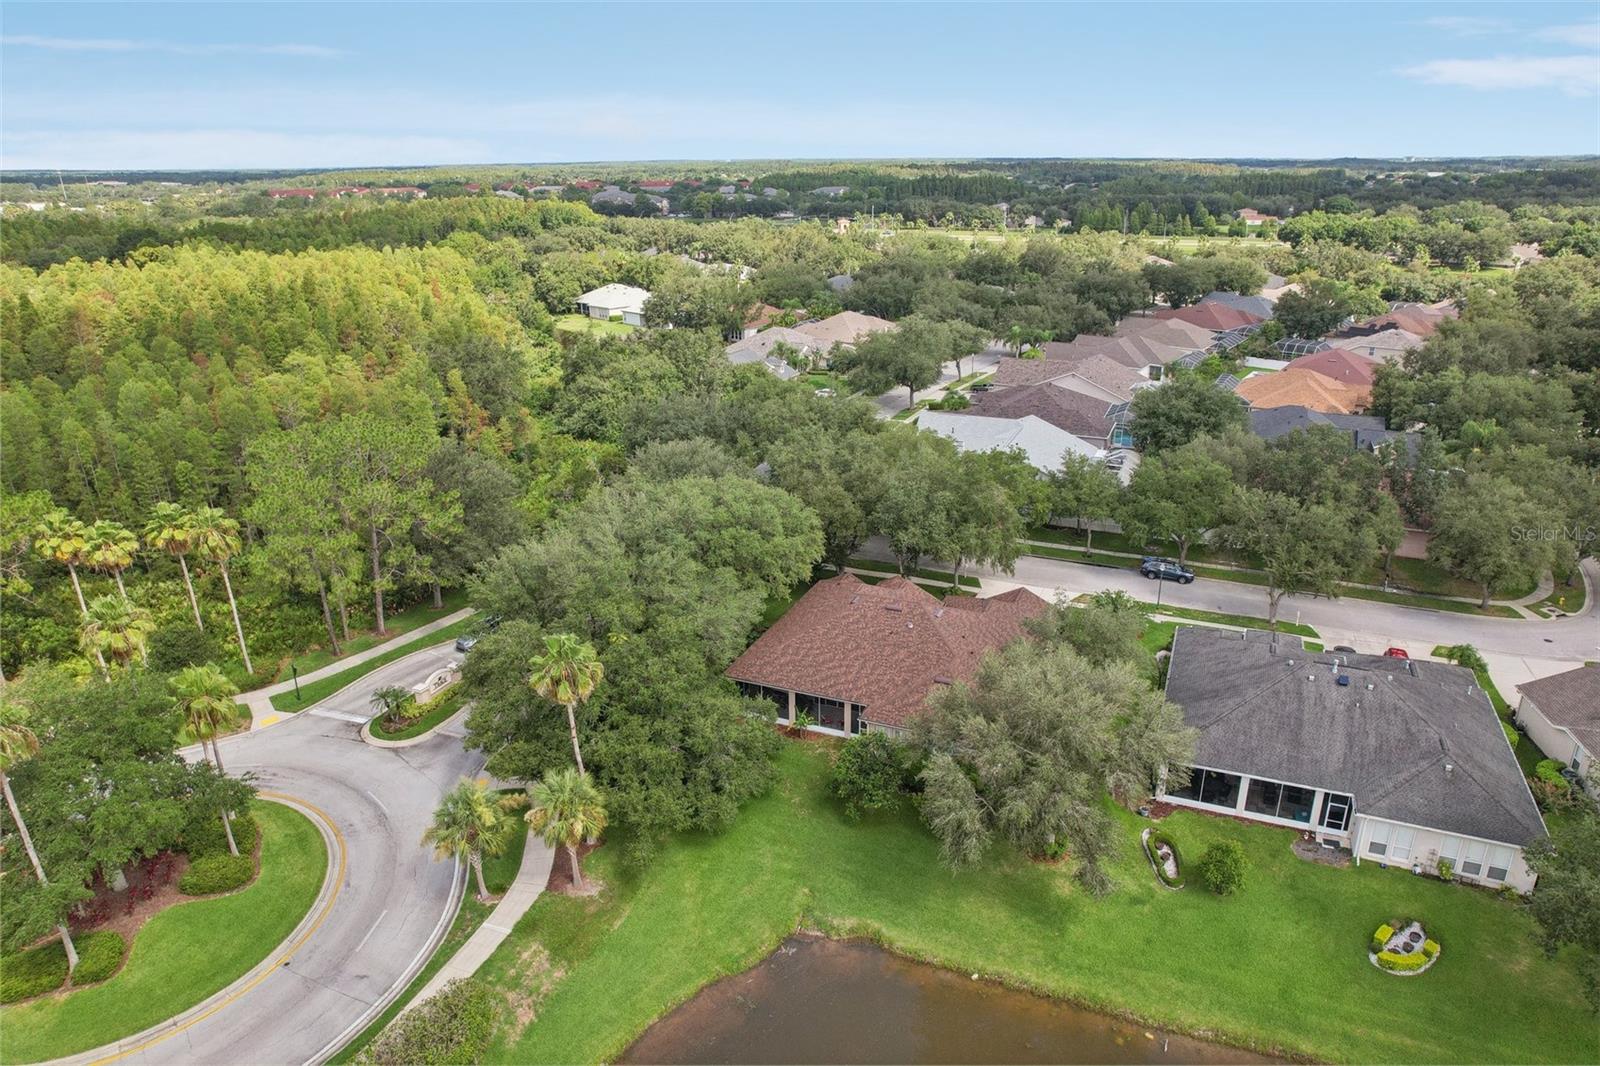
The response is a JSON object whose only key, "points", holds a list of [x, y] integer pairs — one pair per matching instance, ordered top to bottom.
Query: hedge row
{"points": [[205, 835], [210, 874], [1415, 960], [44, 969], [453, 1027]]}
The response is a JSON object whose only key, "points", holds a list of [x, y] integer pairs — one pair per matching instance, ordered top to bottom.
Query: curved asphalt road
{"points": [[392, 903]]}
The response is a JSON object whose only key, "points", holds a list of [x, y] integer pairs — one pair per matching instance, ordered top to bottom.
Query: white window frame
{"points": [[1378, 839], [1400, 843], [1450, 850], [1474, 855], [1500, 859]]}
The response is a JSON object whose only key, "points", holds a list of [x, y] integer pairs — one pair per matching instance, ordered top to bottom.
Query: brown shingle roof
{"points": [[1215, 316], [846, 327], [1345, 367], [1303, 388], [1082, 416], [883, 647], [1570, 700]]}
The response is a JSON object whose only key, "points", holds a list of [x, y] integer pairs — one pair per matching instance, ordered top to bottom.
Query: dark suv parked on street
{"points": [[1155, 567]]}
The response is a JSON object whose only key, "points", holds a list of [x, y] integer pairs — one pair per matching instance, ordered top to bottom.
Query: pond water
{"points": [[832, 1002]]}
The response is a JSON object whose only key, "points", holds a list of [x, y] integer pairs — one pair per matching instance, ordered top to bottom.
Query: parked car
{"points": [[982, 386], [1157, 568], [484, 626], [1344, 647], [1396, 653]]}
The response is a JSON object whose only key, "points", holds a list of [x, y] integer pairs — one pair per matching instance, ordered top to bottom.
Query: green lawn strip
{"points": [[576, 323], [970, 380], [911, 412], [926, 575], [1566, 598], [1428, 603], [1243, 621], [399, 623], [1157, 636], [316, 691], [447, 707], [498, 873], [185, 953], [1282, 965]]}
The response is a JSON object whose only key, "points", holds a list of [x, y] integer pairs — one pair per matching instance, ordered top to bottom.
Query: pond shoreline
{"points": [[746, 1017]]}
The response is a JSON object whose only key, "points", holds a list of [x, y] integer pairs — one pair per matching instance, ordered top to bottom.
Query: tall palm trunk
{"points": [[188, 583], [120, 586], [78, 588], [438, 595], [238, 628], [572, 728], [227, 819], [38, 867], [477, 869], [577, 874]]}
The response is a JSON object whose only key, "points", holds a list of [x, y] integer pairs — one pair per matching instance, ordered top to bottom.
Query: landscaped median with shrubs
{"points": [[416, 719], [180, 955], [44, 969]]}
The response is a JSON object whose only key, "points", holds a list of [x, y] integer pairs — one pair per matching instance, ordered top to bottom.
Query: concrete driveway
{"points": [[893, 402], [391, 906]]}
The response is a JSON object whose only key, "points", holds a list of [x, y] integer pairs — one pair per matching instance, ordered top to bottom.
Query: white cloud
{"points": [[1467, 25], [1582, 34], [118, 44], [1573, 75]]}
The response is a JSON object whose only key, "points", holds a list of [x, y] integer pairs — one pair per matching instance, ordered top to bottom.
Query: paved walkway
{"points": [[260, 700], [532, 876]]}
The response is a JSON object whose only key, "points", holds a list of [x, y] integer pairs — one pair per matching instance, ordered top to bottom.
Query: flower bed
{"points": [[1163, 856], [1402, 947]]}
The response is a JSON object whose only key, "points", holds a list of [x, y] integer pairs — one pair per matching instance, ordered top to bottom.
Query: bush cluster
{"points": [[951, 401], [1511, 734], [1550, 770], [868, 773], [204, 835], [1160, 837], [1222, 867], [218, 872], [1381, 937], [99, 955], [1398, 963], [33, 973], [453, 1027]]}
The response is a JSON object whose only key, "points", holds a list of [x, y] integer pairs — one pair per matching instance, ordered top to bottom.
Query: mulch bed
{"points": [[791, 733], [561, 869]]}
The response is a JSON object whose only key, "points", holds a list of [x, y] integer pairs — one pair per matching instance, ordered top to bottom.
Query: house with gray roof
{"points": [[1255, 305], [763, 348], [1366, 432], [1044, 446], [1562, 715], [1402, 762]]}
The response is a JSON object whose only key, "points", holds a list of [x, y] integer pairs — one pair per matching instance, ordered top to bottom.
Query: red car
{"points": [[1396, 653]]}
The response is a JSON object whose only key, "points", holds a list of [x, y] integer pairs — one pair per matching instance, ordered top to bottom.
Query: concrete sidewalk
{"points": [[260, 700], [532, 876]]}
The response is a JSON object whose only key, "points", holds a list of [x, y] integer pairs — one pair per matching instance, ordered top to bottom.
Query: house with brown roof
{"points": [[1251, 217], [1212, 316], [847, 328], [1388, 345], [1343, 366], [1303, 388], [1085, 417], [857, 658], [1561, 714]]}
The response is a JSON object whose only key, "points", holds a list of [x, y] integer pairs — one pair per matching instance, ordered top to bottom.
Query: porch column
{"points": [[849, 716], [790, 718], [1244, 793], [1317, 800]]}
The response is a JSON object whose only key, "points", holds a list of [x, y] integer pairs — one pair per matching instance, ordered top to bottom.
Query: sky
{"points": [[286, 85]]}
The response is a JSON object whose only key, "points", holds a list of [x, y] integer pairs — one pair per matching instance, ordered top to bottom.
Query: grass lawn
{"points": [[576, 323], [911, 412], [1564, 598], [1241, 620], [399, 623], [1157, 636], [314, 691], [447, 707], [498, 873], [185, 953], [1282, 965]]}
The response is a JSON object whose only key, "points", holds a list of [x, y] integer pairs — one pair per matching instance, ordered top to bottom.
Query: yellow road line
{"points": [[287, 955]]}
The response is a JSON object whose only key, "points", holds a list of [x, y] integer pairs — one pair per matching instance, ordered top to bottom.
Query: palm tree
{"points": [[1016, 336], [170, 529], [216, 539], [65, 540], [111, 550], [118, 628], [567, 674], [205, 696], [390, 699], [18, 744], [566, 808], [471, 822]]}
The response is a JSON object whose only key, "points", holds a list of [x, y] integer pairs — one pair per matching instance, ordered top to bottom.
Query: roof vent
{"points": [[895, 607], [1311, 677], [943, 680], [1344, 680], [1370, 686], [1448, 767]]}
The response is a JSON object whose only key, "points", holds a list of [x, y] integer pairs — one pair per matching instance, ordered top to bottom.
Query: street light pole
{"points": [[296, 671]]}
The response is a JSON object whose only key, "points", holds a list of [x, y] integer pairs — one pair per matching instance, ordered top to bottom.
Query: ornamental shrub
{"points": [[1511, 734], [1550, 770], [867, 773], [204, 834], [1161, 837], [1222, 867], [1447, 870], [215, 873], [1381, 937], [1430, 948], [99, 955], [1390, 960], [33, 973], [452, 1027]]}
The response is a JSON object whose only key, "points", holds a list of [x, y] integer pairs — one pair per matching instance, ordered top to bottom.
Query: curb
{"points": [[367, 737], [280, 955]]}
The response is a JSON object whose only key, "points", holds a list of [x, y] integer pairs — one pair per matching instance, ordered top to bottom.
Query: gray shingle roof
{"points": [[1255, 305], [1366, 431], [1571, 700], [1416, 742]]}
